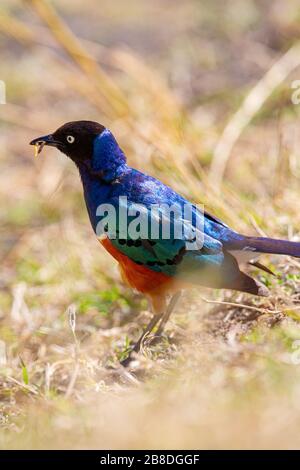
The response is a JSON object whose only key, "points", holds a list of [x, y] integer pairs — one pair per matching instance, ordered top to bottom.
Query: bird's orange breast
{"points": [[137, 276]]}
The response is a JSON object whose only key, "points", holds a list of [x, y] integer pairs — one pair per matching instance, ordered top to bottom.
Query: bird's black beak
{"points": [[44, 140]]}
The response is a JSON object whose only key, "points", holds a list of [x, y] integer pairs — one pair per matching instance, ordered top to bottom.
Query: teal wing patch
{"points": [[151, 239]]}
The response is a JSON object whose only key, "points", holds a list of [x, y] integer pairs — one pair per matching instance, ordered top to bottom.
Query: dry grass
{"points": [[223, 375]]}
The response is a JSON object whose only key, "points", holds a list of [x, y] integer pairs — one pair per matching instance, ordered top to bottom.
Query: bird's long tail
{"points": [[267, 245]]}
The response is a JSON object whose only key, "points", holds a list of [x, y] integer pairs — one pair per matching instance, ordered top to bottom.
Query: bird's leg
{"points": [[169, 310], [146, 331], [136, 348]]}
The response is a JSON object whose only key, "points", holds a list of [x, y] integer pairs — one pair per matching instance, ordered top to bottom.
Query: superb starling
{"points": [[158, 265]]}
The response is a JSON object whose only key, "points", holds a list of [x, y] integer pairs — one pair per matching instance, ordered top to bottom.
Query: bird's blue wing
{"points": [[161, 249]]}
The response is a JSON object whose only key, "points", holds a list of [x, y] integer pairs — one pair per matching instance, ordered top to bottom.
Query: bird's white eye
{"points": [[70, 139]]}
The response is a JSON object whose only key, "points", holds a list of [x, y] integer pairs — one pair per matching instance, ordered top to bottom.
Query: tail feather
{"points": [[267, 245], [235, 279], [247, 284]]}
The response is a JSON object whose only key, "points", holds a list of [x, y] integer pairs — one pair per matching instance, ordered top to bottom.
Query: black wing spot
{"points": [[136, 243], [178, 258], [151, 263]]}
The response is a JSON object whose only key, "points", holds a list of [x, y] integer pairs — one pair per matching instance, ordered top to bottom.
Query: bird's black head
{"points": [[75, 139]]}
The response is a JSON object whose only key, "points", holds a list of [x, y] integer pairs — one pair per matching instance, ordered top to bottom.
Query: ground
{"points": [[226, 373]]}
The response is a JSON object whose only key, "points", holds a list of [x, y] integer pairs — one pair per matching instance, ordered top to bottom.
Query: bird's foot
{"points": [[131, 354], [126, 362]]}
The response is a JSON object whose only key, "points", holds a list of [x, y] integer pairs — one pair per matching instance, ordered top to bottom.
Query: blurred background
{"points": [[203, 95]]}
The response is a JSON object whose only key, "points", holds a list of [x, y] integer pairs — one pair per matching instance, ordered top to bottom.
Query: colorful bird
{"points": [[206, 252]]}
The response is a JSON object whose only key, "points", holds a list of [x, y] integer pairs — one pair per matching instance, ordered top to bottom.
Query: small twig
{"points": [[80, 55], [257, 227], [250, 307], [127, 375], [72, 381], [26, 387]]}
